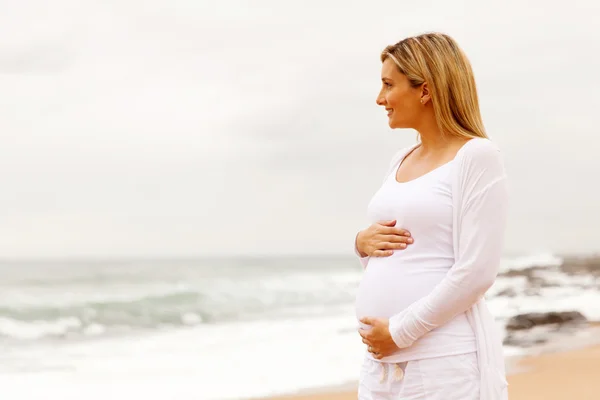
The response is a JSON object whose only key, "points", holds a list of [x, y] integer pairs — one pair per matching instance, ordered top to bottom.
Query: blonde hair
{"points": [[437, 59]]}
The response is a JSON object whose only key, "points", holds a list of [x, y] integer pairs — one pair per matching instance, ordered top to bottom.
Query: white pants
{"points": [[441, 378]]}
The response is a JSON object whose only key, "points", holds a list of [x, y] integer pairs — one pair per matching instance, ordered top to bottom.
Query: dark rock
{"points": [[571, 265], [581, 265], [526, 272], [533, 276], [539, 282], [509, 292], [530, 320], [541, 334], [524, 341]]}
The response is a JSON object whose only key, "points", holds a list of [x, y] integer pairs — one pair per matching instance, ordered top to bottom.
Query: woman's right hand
{"points": [[381, 239]]}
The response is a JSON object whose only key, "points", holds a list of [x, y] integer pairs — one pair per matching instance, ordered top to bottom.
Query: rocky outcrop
{"points": [[581, 266], [528, 272], [573, 275], [534, 277], [539, 277], [530, 320], [527, 330], [520, 340]]}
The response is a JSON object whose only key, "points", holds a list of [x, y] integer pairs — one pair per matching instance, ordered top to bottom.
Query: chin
{"points": [[394, 125]]}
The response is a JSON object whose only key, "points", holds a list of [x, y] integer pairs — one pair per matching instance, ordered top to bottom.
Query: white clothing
{"points": [[480, 200], [391, 284], [441, 378]]}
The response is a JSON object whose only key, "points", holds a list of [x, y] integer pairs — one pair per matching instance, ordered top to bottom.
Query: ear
{"points": [[425, 95]]}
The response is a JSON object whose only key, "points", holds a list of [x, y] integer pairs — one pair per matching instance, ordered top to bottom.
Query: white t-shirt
{"points": [[424, 207]]}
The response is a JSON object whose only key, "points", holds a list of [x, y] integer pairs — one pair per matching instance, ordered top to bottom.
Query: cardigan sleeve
{"points": [[482, 220]]}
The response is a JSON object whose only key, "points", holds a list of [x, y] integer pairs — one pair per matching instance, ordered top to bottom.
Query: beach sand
{"points": [[571, 375]]}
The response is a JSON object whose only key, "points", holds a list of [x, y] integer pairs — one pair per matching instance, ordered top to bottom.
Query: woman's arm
{"points": [[482, 226], [380, 240], [364, 260]]}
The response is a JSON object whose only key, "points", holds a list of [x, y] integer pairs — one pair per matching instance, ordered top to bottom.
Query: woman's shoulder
{"points": [[479, 145], [480, 150], [481, 155]]}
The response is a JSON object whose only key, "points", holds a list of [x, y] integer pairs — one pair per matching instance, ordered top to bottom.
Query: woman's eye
{"points": [[387, 84]]}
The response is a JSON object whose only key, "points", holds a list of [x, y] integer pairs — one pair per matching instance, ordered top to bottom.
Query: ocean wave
{"points": [[96, 318], [31, 321]]}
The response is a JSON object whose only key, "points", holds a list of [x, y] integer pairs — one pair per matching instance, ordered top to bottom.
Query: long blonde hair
{"points": [[437, 59]]}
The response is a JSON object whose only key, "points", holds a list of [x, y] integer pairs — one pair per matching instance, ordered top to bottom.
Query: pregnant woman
{"points": [[435, 244]]}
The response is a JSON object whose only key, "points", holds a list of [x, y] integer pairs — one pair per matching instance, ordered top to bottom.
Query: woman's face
{"points": [[401, 101]]}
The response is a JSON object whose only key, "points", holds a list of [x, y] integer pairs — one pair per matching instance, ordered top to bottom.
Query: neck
{"points": [[432, 139]]}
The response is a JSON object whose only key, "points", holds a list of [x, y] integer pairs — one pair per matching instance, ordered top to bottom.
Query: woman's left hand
{"points": [[378, 338]]}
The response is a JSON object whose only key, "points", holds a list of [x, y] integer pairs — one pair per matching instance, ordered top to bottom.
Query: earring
{"points": [[421, 101]]}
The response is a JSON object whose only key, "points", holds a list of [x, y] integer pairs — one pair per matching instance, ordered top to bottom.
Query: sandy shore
{"points": [[572, 375]]}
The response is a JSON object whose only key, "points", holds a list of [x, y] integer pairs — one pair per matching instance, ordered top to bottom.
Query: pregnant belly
{"points": [[389, 285]]}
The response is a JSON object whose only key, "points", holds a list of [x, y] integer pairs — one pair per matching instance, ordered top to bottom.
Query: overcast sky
{"points": [[182, 128]]}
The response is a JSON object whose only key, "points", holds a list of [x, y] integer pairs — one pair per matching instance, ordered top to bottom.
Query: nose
{"points": [[380, 100]]}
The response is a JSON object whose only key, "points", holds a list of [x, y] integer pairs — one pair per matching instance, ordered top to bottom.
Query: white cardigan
{"points": [[480, 199]]}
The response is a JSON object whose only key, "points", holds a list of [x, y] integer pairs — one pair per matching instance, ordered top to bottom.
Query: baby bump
{"points": [[389, 287]]}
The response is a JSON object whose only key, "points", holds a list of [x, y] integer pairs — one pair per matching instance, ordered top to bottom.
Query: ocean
{"points": [[215, 329]]}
